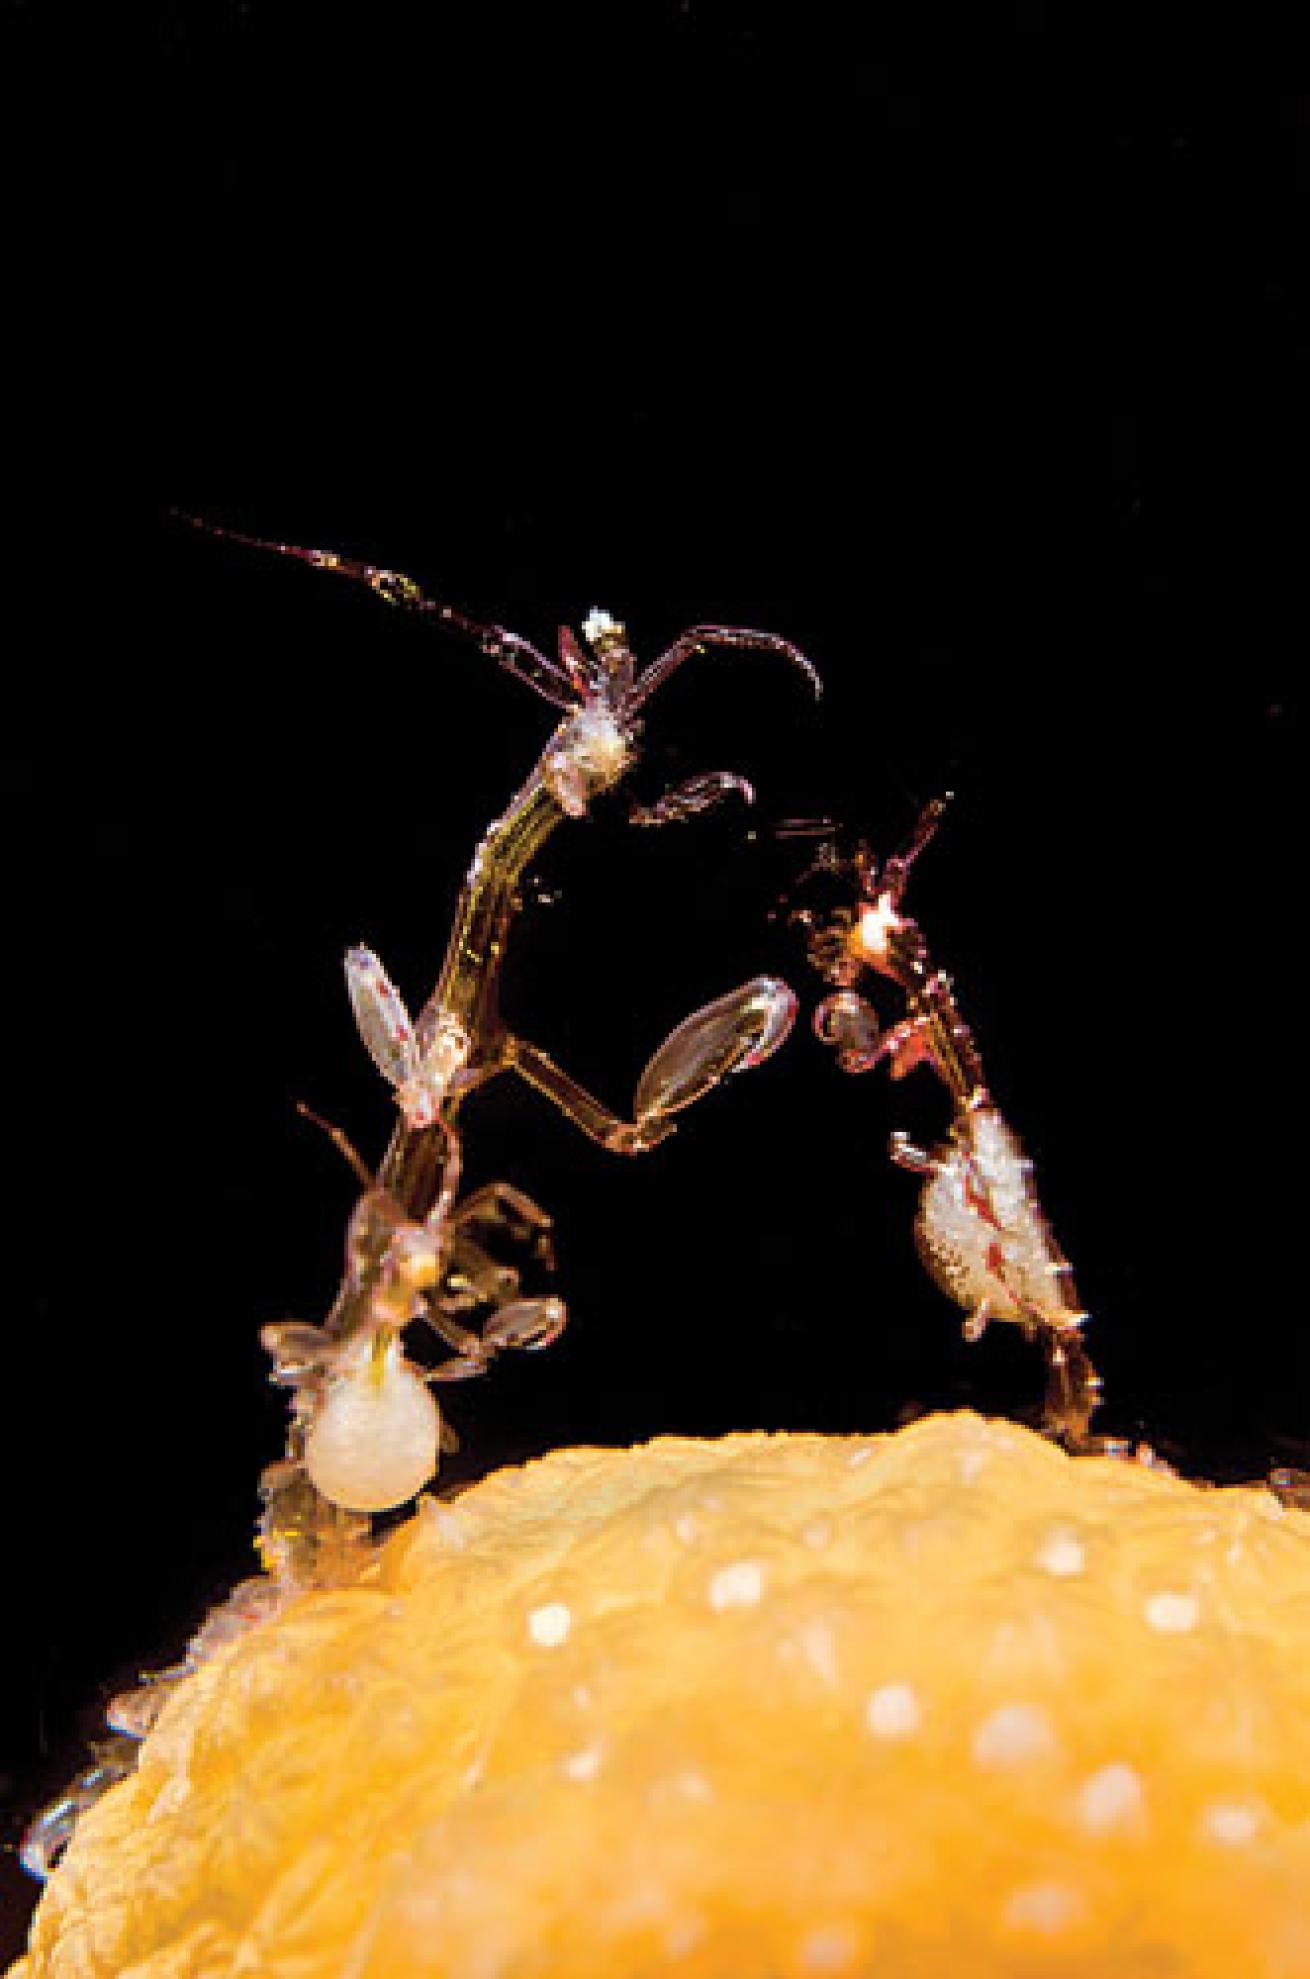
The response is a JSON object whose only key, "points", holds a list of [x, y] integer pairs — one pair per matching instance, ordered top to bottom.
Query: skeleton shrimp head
{"points": [[593, 680], [599, 680], [593, 748], [982, 1235], [391, 1259]]}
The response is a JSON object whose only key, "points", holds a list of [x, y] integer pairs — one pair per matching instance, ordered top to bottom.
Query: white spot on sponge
{"points": [[740, 1585], [549, 1625]]}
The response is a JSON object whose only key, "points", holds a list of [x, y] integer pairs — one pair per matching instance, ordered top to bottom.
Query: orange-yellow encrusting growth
{"points": [[946, 1701]]}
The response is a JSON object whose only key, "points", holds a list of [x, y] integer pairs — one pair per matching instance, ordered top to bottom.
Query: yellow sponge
{"points": [[941, 1702]]}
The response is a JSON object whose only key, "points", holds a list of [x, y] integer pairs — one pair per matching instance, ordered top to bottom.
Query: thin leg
{"points": [[702, 638], [689, 798], [896, 871], [576, 1104], [905, 1154], [499, 1211], [472, 1278], [976, 1323], [460, 1367], [1073, 1387]]}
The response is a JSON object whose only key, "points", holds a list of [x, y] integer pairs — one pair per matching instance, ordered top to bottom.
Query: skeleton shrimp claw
{"points": [[693, 796], [729, 1035], [527, 1325]]}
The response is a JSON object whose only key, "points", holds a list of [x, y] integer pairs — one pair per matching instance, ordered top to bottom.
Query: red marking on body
{"points": [[572, 659], [914, 1049], [978, 1198], [996, 1260]]}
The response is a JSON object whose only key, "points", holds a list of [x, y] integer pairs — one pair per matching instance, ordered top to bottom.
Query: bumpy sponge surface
{"points": [[936, 1702]]}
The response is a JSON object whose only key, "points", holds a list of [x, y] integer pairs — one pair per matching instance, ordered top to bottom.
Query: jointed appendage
{"points": [[979, 1229], [421, 1264]]}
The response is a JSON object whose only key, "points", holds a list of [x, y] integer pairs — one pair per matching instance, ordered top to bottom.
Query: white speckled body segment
{"points": [[589, 756], [981, 1231]]}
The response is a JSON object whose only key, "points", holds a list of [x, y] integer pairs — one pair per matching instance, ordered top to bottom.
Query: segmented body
{"points": [[981, 1232]]}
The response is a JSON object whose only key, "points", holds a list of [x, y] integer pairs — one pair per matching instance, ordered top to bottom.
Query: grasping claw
{"points": [[690, 798], [729, 1035]]}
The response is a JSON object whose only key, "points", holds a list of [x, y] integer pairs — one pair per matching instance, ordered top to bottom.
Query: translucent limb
{"points": [[703, 638], [516, 655], [689, 798], [896, 870], [730, 1035], [578, 1105], [344, 1146], [906, 1154], [499, 1210], [496, 1219], [472, 1278], [976, 1322], [527, 1325], [299, 1353], [460, 1367], [1073, 1387]]}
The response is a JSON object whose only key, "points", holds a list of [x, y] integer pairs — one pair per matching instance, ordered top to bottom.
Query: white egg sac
{"points": [[374, 1441]]}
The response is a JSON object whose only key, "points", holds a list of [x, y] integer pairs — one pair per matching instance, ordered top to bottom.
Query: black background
{"points": [[961, 348]]}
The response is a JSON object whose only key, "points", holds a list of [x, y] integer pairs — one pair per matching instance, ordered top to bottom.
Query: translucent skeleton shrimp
{"points": [[980, 1229], [411, 1249], [365, 1433]]}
